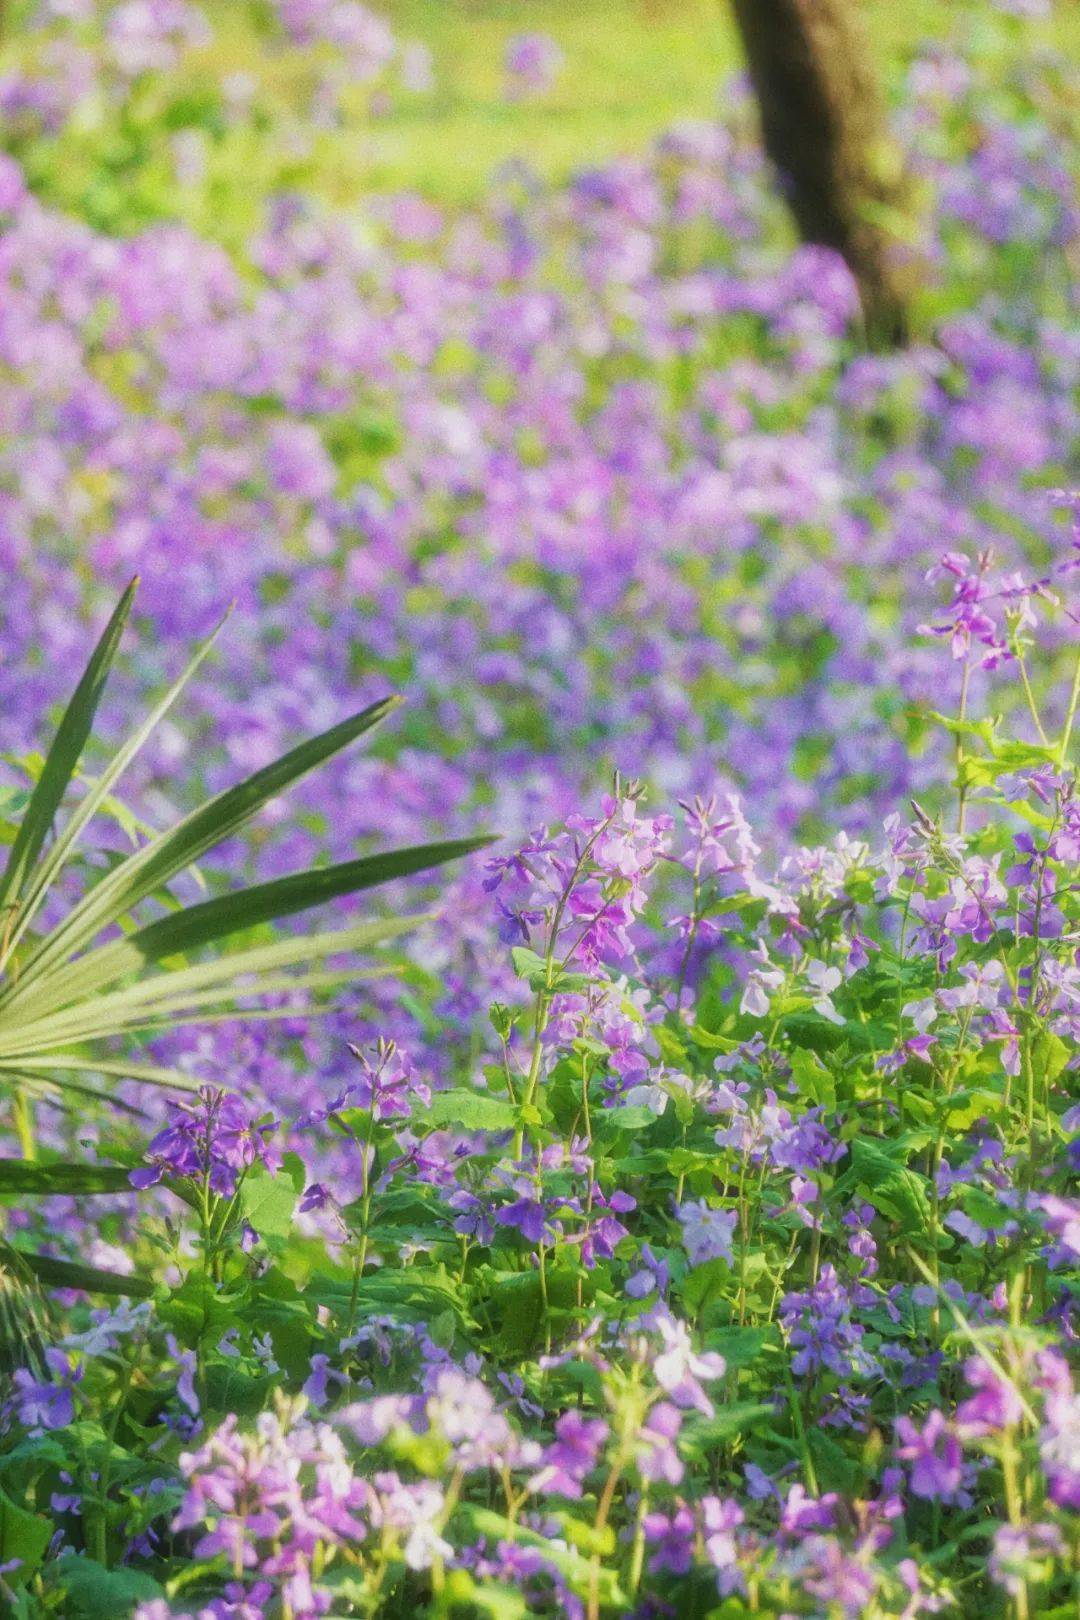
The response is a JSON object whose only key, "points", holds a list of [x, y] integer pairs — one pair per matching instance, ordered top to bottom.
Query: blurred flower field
{"points": [[680, 1217]]}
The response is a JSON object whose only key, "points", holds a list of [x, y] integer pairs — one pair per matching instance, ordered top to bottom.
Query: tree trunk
{"points": [[825, 130]]}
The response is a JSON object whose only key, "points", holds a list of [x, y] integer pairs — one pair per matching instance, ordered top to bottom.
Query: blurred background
{"points": [[427, 94]]}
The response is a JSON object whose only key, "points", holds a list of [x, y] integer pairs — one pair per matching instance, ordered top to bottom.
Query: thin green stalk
{"points": [[1070, 717], [961, 785], [22, 1117], [360, 1258], [809, 1470]]}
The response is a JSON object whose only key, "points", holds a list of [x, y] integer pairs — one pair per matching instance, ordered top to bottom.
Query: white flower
{"points": [[824, 980], [762, 982], [922, 1013], [654, 1098], [678, 1367]]}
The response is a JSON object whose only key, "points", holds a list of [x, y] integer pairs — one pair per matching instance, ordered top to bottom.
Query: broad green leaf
{"points": [[64, 755], [527, 964], [1049, 1055], [813, 1079], [472, 1111], [889, 1185], [267, 1203], [705, 1282], [230, 1389], [727, 1423], [23, 1536], [574, 1566], [92, 1592], [485, 1597]]}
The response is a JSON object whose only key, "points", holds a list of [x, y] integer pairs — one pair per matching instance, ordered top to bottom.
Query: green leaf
{"points": [[64, 755], [100, 794], [177, 848], [213, 920], [526, 962], [24, 1038], [1049, 1055], [46, 1068], [813, 1079], [472, 1111], [21, 1179], [888, 1184], [267, 1203], [71, 1274], [705, 1282], [23, 1329], [741, 1346], [230, 1389], [727, 1423], [23, 1535], [571, 1564], [93, 1592], [483, 1597]]}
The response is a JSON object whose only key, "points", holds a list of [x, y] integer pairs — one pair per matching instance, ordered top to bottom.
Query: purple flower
{"points": [[532, 63], [387, 1087], [212, 1138], [527, 1216], [707, 1232], [821, 1331], [679, 1369], [49, 1404], [996, 1404], [1059, 1438], [657, 1455], [571, 1456], [935, 1457], [720, 1521], [671, 1536], [1022, 1553]]}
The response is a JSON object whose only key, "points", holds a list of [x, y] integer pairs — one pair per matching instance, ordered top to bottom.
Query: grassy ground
{"points": [[632, 68]]}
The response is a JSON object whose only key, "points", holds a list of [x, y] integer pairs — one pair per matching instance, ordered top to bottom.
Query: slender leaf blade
{"points": [[64, 755], [101, 792], [175, 849], [216, 919], [22, 1035], [18, 1178], [55, 1273]]}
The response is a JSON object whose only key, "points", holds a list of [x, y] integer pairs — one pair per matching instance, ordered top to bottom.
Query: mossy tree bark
{"points": [[825, 130]]}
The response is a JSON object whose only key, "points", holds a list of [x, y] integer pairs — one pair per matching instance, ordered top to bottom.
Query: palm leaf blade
{"points": [[64, 755], [172, 851], [53, 863], [213, 920]]}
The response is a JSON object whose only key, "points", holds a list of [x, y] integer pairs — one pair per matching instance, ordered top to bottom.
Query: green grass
{"points": [[633, 67]]}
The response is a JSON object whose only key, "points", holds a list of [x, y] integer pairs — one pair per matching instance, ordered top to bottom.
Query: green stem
{"points": [[1030, 696], [1074, 703], [961, 785], [22, 1117], [365, 1220], [800, 1431]]}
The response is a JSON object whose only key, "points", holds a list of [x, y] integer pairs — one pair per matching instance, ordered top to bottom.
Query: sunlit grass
{"points": [[632, 69]]}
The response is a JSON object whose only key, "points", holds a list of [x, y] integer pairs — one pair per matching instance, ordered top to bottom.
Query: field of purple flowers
{"points": [[669, 1209]]}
